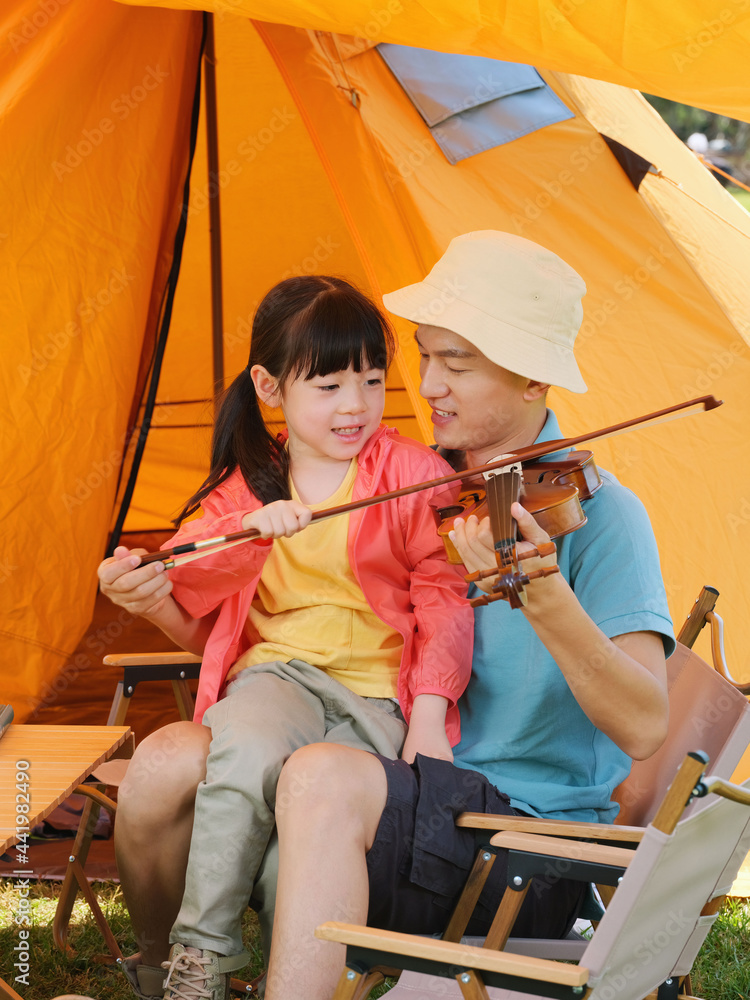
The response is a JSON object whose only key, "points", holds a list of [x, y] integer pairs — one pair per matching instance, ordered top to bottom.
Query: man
{"points": [[563, 693]]}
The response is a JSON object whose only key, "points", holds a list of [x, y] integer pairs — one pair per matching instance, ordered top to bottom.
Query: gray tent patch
{"points": [[470, 103]]}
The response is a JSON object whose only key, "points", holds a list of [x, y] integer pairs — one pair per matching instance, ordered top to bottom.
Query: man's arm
{"points": [[146, 591], [619, 683]]}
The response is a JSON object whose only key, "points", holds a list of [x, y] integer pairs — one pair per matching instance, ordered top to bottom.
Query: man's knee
{"points": [[311, 771], [332, 782]]}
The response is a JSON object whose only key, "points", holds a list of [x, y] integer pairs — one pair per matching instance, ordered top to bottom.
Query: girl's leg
{"points": [[263, 719], [330, 802], [153, 828]]}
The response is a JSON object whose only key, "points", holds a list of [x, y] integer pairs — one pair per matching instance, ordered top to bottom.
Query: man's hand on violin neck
{"points": [[533, 537], [476, 546]]}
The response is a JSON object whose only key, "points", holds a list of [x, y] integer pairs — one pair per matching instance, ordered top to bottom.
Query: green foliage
{"points": [[684, 120], [742, 196]]}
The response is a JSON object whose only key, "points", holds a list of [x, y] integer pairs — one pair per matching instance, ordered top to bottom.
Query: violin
{"points": [[563, 484], [551, 491]]}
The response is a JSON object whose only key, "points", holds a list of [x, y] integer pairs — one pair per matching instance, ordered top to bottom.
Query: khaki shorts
{"points": [[269, 711]]}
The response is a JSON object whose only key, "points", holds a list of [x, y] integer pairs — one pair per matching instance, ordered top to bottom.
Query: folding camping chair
{"points": [[704, 613], [176, 667], [137, 668], [707, 709], [670, 891]]}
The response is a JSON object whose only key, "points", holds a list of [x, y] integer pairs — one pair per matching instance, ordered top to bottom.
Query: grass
{"points": [[52, 973], [721, 973]]}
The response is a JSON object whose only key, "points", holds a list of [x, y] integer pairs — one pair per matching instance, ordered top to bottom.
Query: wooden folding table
{"points": [[40, 766]]}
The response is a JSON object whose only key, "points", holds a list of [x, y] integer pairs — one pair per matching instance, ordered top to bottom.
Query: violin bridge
{"points": [[510, 467]]}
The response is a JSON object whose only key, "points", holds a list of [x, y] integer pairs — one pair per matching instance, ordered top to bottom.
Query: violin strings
{"points": [[502, 490], [515, 490], [507, 523]]}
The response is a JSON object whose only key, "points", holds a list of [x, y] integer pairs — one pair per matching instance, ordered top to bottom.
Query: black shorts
{"points": [[419, 860]]}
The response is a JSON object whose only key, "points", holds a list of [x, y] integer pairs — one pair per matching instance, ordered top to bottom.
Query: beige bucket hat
{"points": [[515, 301]]}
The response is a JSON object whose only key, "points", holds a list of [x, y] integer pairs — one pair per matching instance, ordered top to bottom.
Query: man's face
{"points": [[477, 406]]}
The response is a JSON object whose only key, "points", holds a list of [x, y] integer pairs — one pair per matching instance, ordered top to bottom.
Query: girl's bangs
{"points": [[339, 331]]}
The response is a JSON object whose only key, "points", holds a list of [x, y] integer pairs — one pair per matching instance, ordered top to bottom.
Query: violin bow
{"points": [[196, 550]]}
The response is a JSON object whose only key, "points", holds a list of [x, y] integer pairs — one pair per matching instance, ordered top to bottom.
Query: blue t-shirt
{"points": [[520, 724]]}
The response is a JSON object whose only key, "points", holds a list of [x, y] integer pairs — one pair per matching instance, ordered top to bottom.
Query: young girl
{"points": [[342, 632]]}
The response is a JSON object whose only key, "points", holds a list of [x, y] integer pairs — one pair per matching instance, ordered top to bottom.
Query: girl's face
{"points": [[332, 416]]}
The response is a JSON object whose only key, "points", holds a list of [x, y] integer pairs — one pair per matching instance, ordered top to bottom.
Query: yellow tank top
{"points": [[309, 606]]}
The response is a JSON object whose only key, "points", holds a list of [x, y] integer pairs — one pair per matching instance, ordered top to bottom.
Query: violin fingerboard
{"points": [[503, 490]]}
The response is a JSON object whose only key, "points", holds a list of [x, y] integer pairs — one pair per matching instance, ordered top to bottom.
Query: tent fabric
{"points": [[694, 53], [93, 109], [311, 180]]}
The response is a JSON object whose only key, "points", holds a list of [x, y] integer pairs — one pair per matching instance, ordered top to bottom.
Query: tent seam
{"points": [[333, 181], [663, 222], [36, 642]]}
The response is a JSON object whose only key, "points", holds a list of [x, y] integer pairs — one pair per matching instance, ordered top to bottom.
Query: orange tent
{"points": [[324, 163]]}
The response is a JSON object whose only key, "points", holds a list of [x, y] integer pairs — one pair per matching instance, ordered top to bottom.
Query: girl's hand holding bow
{"points": [[280, 519]]}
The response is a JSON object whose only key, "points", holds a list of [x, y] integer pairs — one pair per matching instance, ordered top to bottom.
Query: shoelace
{"points": [[189, 971]]}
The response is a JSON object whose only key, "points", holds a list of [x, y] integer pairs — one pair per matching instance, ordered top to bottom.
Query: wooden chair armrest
{"points": [[696, 619], [141, 659], [551, 827], [574, 850], [449, 952]]}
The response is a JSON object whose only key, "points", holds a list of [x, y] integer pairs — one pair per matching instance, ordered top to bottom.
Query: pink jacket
{"points": [[397, 558]]}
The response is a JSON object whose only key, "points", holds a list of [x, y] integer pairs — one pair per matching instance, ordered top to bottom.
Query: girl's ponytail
{"points": [[241, 439]]}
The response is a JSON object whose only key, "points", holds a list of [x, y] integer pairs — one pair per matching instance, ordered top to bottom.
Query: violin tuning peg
{"points": [[545, 571]]}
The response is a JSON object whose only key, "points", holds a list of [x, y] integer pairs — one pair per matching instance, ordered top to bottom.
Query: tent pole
{"points": [[214, 209]]}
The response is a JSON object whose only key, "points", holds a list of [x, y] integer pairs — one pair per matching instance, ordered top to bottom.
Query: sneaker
{"points": [[199, 974], [147, 980]]}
